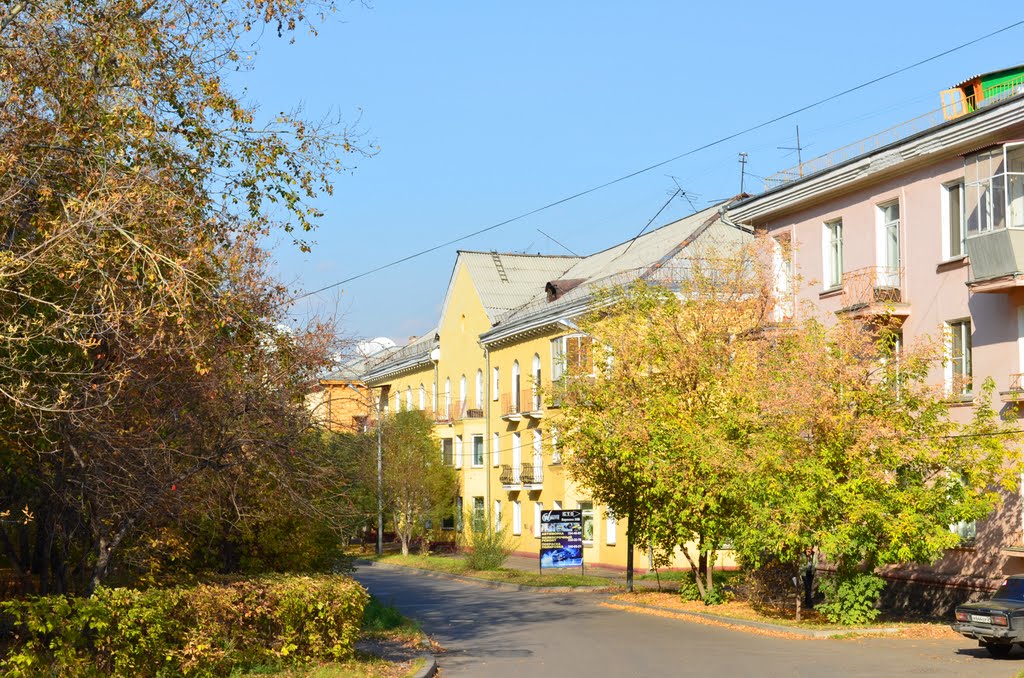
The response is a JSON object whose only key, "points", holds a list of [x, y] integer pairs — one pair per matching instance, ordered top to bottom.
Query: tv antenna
{"points": [[799, 152], [743, 170]]}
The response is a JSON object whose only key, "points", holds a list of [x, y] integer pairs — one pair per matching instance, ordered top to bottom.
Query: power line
{"points": [[662, 163], [651, 221], [557, 243]]}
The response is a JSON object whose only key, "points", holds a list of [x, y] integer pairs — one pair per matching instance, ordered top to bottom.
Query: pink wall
{"points": [[937, 293]]}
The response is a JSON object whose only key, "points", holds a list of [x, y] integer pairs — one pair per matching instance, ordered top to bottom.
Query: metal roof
{"points": [[985, 75], [618, 265], [506, 281], [414, 353]]}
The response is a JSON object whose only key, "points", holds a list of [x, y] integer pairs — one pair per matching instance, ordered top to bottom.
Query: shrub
{"points": [[485, 549], [688, 590], [851, 598], [208, 630]]}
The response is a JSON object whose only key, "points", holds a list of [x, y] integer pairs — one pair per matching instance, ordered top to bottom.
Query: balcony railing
{"points": [[875, 290], [1015, 393], [516, 405], [468, 409], [445, 413], [509, 476], [532, 476]]}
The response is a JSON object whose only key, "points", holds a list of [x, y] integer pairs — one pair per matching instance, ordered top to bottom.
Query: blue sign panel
{"points": [[561, 538]]}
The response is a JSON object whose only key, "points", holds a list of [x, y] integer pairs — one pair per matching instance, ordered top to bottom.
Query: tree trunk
{"points": [[629, 553]]}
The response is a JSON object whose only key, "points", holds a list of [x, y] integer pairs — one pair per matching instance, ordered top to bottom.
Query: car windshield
{"points": [[1012, 589]]}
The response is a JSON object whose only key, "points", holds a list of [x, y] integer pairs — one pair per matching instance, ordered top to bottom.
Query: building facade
{"points": [[927, 232]]}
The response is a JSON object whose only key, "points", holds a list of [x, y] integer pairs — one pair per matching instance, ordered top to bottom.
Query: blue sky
{"points": [[483, 111]]}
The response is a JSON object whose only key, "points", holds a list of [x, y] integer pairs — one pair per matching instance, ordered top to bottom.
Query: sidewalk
{"points": [[613, 575]]}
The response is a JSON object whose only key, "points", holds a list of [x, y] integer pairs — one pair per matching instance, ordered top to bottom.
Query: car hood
{"points": [[994, 605]]}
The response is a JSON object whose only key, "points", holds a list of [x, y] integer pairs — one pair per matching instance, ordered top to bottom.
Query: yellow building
{"points": [[506, 327]]}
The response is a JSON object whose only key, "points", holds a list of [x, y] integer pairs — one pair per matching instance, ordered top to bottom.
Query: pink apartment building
{"points": [[928, 228]]}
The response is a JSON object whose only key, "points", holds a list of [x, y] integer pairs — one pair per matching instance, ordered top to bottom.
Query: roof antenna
{"points": [[799, 152], [743, 170], [686, 194], [557, 243]]}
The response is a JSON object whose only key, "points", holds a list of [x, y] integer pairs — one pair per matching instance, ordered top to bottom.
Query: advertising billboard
{"points": [[561, 538]]}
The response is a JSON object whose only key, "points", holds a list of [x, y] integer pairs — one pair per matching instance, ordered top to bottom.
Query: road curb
{"points": [[500, 585], [765, 626], [429, 669]]}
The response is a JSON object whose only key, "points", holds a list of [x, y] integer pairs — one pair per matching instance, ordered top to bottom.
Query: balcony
{"points": [[997, 260], [875, 291], [1015, 394], [517, 405], [467, 410], [445, 414], [532, 476], [510, 478]]}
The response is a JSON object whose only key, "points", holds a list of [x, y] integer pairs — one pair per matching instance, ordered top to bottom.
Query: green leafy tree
{"points": [[418, 487]]}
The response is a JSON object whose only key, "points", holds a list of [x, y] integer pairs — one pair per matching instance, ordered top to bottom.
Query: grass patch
{"points": [[457, 565], [783, 617], [381, 619], [365, 667]]}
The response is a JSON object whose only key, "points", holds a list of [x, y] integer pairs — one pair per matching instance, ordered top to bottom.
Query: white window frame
{"points": [[949, 189], [883, 227], [832, 264], [559, 349], [966, 350], [535, 379], [495, 384], [462, 395], [423, 397], [447, 397], [408, 398], [479, 399], [496, 450], [458, 451], [538, 451], [483, 453], [556, 455], [517, 457], [556, 505], [538, 508], [587, 511], [497, 514], [517, 517], [610, 528]]}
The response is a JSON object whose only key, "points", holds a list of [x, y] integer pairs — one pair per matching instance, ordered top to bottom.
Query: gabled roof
{"points": [[643, 257], [505, 281]]}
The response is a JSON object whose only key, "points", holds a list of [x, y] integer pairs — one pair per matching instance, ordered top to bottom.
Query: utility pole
{"points": [[743, 170]]}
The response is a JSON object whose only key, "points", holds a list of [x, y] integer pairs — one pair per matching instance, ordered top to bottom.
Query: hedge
{"points": [[207, 630]]}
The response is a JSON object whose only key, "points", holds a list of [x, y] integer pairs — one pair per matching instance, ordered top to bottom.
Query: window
{"points": [[954, 230], [833, 254], [571, 353], [960, 371], [495, 384], [515, 387], [535, 389], [462, 395], [433, 396], [423, 397], [408, 398], [447, 398], [479, 399], [385, 401], [398, 401], [496, 450], [458, 451], [478, 451], [446, 452], [538, 452], [556, 455], [517, 457], [556, 505], [538, 506], [587, 508], [458, 513], [497, 514], [479, 515], [517, 517], [454, 519], [610, 527], [967, 530]]}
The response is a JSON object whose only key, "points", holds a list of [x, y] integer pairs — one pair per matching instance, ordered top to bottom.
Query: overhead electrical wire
{"points": [[662, 163]]}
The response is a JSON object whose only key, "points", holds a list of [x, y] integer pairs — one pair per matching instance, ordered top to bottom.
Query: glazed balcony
{"points": [[875, 291]]}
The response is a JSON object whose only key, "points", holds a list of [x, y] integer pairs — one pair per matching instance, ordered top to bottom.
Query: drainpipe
{"points": [[488, 459]]}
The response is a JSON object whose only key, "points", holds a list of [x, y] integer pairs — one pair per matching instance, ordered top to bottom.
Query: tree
{"points": [[141, 352], [652, 435], [853, 452], [418, 487]]}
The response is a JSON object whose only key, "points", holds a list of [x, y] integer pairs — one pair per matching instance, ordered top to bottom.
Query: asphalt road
{"points": [[490, 633]]}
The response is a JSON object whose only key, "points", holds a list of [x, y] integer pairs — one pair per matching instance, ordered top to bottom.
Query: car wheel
{"points": [[997, 650]]}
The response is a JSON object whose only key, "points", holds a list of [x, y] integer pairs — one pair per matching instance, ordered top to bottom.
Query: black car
{"points": [[997, 623]]}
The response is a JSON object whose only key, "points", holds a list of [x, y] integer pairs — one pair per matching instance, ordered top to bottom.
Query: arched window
{"points": [[515, 386], [479, 389], [535, 392], [462, 394], [423, 397], [447, 397], [408, 398]]}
